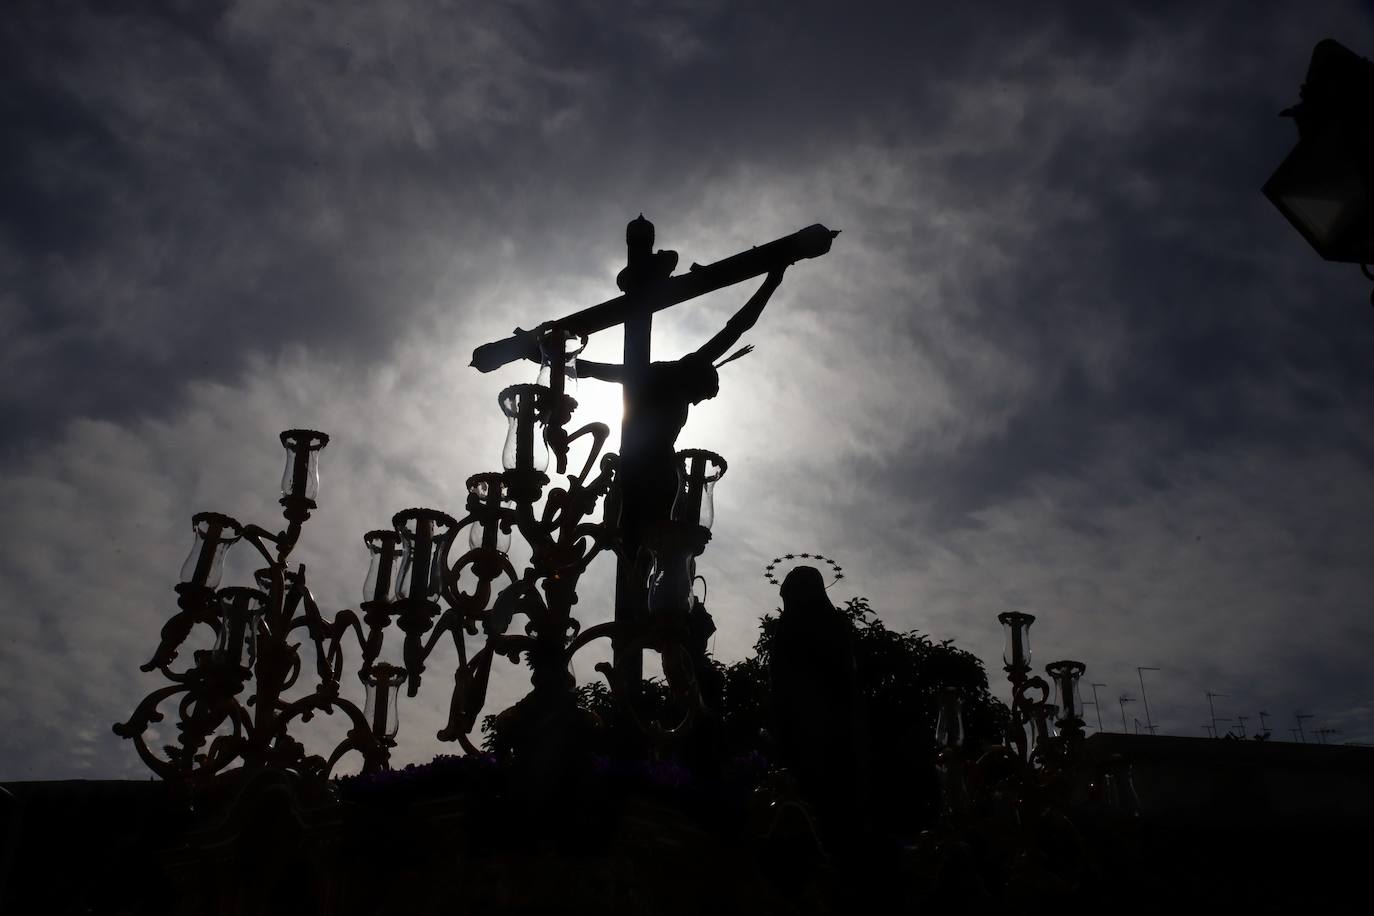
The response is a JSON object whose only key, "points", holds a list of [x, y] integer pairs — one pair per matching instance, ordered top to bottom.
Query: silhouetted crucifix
{"points": [[657, 396]]}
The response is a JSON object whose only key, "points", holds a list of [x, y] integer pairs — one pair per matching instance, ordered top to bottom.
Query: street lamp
{"points": [[1325, 186]]}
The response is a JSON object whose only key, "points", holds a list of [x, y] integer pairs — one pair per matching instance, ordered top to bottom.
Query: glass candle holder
{"points": [[560, 348], [525, 449], [698, 471], [301, 477], [487, 504], [213, 535], [425, 535], [384, 559], [670, 583], [241, 611], [1016, 652], [1065, 676], [383, 682], [949, 722]]}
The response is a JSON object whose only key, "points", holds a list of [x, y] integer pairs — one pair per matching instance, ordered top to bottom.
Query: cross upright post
{"points": [[643, 286]]}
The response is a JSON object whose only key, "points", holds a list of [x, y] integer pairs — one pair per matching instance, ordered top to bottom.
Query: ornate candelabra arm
{"points": [[599, 433], [555, 507], [536, 533], [255, 535], [601, 538], [488, 566], [518, 597], [197, 605], [450, 621], [345, 622], [604, 630], [326, 637], [670, 642], [469, 696], [1023, 710], [143, 716], [360, 737], [361, 741], [225, 749]]}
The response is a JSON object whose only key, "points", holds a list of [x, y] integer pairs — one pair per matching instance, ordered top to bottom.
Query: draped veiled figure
{"points": [[816, 708]]}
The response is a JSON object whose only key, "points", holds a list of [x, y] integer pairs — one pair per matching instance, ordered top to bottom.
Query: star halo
{"points": [[778, 569]]}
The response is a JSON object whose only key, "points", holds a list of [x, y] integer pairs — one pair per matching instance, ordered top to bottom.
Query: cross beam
{"points": [[811, 242]]}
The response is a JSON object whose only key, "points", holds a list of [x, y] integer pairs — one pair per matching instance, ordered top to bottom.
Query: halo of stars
{"points": [[770, 571]]}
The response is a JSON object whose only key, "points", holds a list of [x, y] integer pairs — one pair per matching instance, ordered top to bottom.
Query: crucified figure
{"points": [[656, 407]]}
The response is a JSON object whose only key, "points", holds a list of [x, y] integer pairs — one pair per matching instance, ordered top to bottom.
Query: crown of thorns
{"points": [[790, 561]]}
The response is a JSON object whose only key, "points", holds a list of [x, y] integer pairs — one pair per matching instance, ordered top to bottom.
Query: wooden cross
{"points": [[648, 286]]}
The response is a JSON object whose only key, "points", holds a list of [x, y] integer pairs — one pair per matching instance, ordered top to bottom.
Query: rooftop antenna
{"points": [[1140, 673], [1122, 701], [1098, 707], [1212, 709], [1300, 716], [1241, 720], [1264, 726], [1323, 732], [1294, 733]]}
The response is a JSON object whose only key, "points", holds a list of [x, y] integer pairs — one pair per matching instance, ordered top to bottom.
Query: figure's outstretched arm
{"points": [[742, 320], [586, 368], [606, 372]]}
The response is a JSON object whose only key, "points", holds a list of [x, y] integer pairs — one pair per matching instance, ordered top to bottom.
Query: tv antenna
{"points": [[1140, 673], [1122, 701], [1097, 706], [1212, 709]]}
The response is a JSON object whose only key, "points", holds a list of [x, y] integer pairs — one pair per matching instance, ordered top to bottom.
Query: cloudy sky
{"points": [[1064, 358]]}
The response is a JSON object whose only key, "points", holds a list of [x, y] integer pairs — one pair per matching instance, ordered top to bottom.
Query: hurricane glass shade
{"points": [[1325, 186], [559, 347], [525, 449], [698, 471], [301, 477], [486, 502], [425, 534], [213, 535], [384, 556], [670, 584], [241, 611], [1016, 652], [1065, 676], [383, 695], [949, 722], [1120, 785]]}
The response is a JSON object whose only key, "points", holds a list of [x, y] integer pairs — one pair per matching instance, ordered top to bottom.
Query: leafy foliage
{"points": [[900, 676]]}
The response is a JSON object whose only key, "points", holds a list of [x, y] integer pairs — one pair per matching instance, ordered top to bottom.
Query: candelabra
{"points": [[414, 584], [252, 627], [1014, 796]]}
